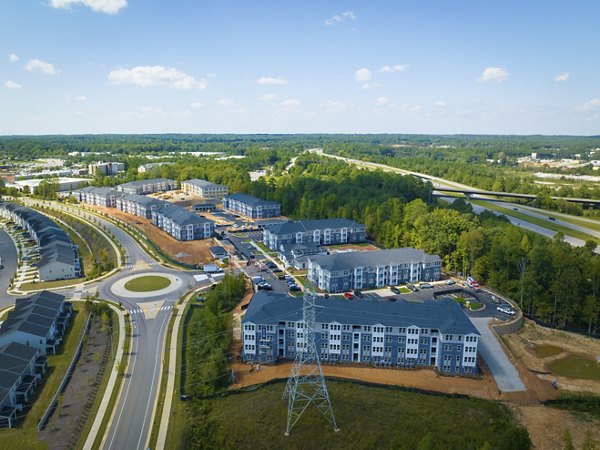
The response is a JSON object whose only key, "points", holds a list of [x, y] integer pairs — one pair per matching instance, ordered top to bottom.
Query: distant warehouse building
{"points": [[147, 186], [204, 189], [99, 196], [252, 207], [182, 224], [318, 232], [368, 270], [435, 334]]}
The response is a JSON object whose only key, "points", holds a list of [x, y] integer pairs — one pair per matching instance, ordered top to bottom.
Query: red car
{"points": [[348, 296]]}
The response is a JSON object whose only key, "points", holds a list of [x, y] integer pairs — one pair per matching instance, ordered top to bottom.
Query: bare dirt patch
{"points": [[354, 247], [189, 252], [523, 346]]}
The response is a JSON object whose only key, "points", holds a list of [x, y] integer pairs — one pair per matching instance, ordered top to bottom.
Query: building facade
{"points": [[105, 168], [151, 186], [204, 189], [99, 196], [139, 205], [252, 207], [182, 224], [318, 232], [369, 270], [434, 334]]}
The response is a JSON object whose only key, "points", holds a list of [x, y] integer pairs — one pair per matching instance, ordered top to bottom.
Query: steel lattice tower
{"points": [[306, 384]]}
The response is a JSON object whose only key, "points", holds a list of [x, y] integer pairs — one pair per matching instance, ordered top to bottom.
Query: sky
{"points": [[221, 66]]}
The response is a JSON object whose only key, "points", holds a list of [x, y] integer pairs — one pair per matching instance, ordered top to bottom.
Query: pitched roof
{"points": [[141, 183], [201, 183], [144, 200], [249, 200], [181, 216], [311, 225], [350, 260], [34, 315], [445, 315]]}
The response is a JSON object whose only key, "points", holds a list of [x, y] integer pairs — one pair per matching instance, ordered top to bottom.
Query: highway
{"points": [[533, 212], [132, 417]]}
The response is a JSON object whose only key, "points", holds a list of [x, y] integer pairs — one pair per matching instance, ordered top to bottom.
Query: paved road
{"points": [[8, 252], [502, 369], [133, 414]]}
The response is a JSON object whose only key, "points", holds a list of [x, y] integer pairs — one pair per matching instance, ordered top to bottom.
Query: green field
{"points": [[147, 284], [544, 351], [575, 366], [369, 417]]}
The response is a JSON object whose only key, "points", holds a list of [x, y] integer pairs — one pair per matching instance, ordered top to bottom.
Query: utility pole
{"points": [[306, 384]]}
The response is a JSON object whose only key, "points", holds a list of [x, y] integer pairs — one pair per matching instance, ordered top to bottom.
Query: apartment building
{"points": [[148, 167], [105, 168], [147, 186], [204, 189], [100, 196], [139, 205], [252, 207], [182, 224], [318, 232], [59, 257], [368, 270], [434, 334]]}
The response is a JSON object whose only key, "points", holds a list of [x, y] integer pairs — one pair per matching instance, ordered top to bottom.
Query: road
{"points": [[441, 182], [132, 419]]}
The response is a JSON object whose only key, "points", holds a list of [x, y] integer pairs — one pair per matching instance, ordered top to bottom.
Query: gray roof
{"points": [[141, 183], [202, 183], [102, 191], [145, 201], [251, 201], [181, 216], [311, 225], [350, 260], [34, 315], [445, 315], [20, 351], [8, 379]]}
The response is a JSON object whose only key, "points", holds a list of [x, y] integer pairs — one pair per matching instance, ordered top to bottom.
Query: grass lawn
{"points": [[534, 220], [264, 248], [147, 283], [50, 284], [404, 290], [544, 351], [575, 366], [369, 417], [24, 435]]}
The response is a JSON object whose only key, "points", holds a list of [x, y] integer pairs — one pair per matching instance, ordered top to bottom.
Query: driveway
{"points": [[502, 369]]}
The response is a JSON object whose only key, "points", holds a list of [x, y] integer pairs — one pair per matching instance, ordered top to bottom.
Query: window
{"points": [[401, 340]]}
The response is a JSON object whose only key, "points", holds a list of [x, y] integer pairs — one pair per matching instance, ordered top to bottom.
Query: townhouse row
{"points": [[59, 257], [31, 331], [434, 334]]}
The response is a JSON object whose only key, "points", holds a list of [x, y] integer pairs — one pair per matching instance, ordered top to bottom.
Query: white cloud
{"points": [[103, 6], [339, 18], [13, 58], [41, 66], [395, 68], [363, 75], [493, 75], [147, 76], [562, 76], [272, 81], [12, 85], [370, 85], [81, 98], [270, 98], [383, 101], [225, 102], [290, 103], [440, 103], [197, 105], [592, 105], [335, 106]]}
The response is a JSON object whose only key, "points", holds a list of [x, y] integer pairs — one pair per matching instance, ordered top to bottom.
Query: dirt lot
{"points": [[196, 252], [523, 343], [67, 421]]}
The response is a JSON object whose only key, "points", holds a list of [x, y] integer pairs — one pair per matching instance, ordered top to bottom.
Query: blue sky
{"points": [[156, 66]]}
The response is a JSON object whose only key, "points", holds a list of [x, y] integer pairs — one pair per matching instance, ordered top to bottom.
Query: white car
{"points": [[506, 310]]}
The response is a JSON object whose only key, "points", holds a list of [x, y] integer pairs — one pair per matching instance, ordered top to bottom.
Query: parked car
{"points": [[552, 218], [271, 265], [281, 277], [257, 280], [450, 282], [425, 285], [265, 286], [295, 288], [395, 290], [358, 294], [348, 295], [326, 296], [506, 310]]}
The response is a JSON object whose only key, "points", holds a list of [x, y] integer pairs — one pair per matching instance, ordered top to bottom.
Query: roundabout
{"points": [[146, 285]]}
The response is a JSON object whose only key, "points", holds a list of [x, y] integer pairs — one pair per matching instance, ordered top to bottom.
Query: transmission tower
{"points": [[306, 384]]}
